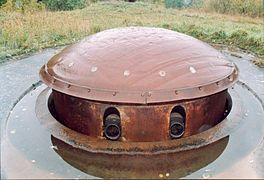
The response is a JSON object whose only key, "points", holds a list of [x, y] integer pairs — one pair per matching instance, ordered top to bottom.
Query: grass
{"points": [[253, 8], [29, 32]]}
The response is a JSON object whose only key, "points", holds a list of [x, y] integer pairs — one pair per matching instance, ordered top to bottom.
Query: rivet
{"points": [[71, 64], [94, 69], [193, 70], [126, 73], [162, 73], [230, 78], [53, 81], [217, 83], [68, 86], [200, 88], [88, 90], [176, 92], [114, 93], [149, 94]]}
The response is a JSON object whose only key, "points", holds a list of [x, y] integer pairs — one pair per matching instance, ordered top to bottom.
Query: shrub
{"points": [[2, 2], [178, 3], [183, 3], [22, 5], [64, 5]]}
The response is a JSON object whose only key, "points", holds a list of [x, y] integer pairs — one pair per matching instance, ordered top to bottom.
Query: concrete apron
{"points": [[17, 77]]}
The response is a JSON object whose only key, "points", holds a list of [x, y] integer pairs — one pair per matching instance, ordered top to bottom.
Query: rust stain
{"points": [[139, 123]]}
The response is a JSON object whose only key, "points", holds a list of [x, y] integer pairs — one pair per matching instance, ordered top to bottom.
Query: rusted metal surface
{"points": [[139, 65], [124, 84], [139, 123], [102, 145]]}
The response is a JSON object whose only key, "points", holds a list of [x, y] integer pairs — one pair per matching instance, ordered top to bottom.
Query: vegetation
{"points": [[2, 2], [178, 4], [64, 5], [21, 6], [252, 8], [32, 31]]}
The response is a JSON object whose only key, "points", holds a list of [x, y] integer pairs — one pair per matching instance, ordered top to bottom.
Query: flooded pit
{"points": [[172, 129], [31, 150]]}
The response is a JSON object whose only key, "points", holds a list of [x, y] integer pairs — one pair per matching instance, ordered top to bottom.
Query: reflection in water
{"points": [[167, 165]]}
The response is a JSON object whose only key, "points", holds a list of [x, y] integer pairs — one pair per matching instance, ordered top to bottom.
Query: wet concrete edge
{"points": [[16, 78]]}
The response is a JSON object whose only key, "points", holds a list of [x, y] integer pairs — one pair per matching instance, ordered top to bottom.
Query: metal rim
{"points": [[138, 97], [173, 135], [115, 137]]}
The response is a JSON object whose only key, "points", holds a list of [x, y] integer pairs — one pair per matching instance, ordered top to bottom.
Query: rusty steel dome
{"points": [[139, 65], [139, 84]]}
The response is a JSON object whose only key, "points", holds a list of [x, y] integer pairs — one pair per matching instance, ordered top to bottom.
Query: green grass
{"points": [[253, 8], [29, 32]]}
